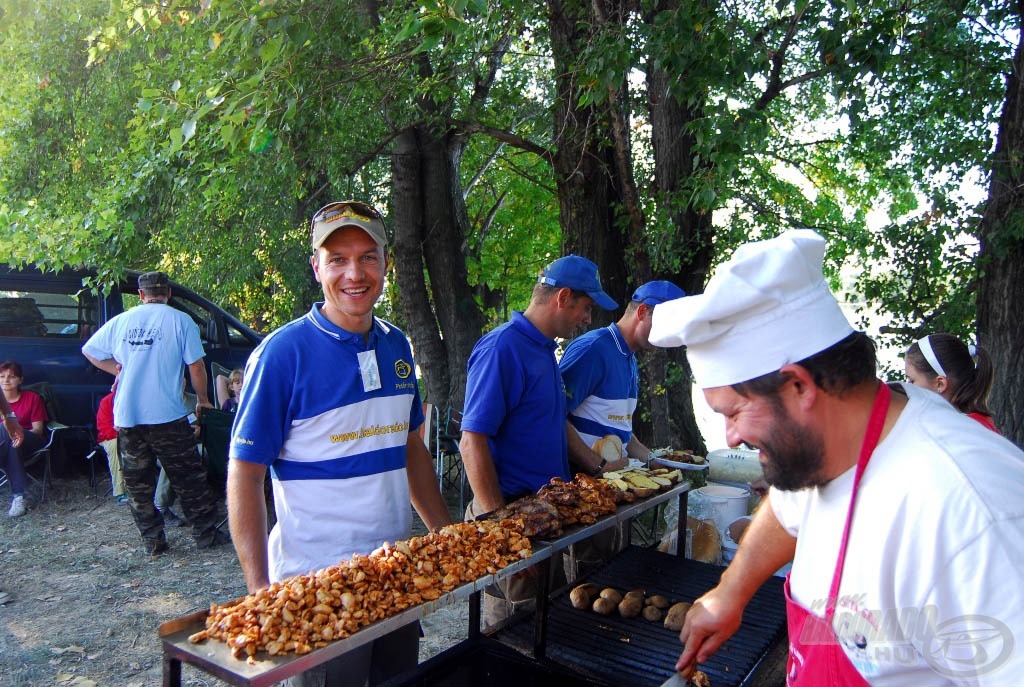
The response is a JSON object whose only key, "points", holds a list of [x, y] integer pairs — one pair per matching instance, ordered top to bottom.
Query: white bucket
{"points": [[727, 504], [728, 550]]}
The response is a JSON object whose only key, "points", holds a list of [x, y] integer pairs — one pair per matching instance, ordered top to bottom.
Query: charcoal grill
{"points": [[638, 652]]}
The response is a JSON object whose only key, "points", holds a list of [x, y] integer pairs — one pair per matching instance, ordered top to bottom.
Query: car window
{"points": [[50, 313]]}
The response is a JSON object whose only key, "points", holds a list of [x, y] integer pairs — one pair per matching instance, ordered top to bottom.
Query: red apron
{"points": [[822, 661]]}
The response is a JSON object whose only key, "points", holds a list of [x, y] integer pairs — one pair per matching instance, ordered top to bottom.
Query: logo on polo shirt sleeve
{"points": [[402, 369]]}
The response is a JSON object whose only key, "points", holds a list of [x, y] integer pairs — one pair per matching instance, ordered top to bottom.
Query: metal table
{"points": [[215, 658]]}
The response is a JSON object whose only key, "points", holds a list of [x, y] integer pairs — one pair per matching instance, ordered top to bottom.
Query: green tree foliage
{"points": [[201, 136]]}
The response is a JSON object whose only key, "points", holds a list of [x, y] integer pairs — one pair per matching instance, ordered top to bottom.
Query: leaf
{"points": [[188, 129], [261, 140]]}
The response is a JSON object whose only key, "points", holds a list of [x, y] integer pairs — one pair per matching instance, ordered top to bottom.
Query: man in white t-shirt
{"points": [[148, 349], [902, 517]]}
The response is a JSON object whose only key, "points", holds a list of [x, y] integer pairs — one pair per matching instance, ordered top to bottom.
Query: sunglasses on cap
{"points": [[346, 208]]}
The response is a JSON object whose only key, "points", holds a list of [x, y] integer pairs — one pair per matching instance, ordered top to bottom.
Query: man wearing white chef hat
{"points": [[879, 497]]}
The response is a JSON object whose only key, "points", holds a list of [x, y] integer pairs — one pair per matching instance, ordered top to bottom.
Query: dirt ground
{"points": [[86, 602]]}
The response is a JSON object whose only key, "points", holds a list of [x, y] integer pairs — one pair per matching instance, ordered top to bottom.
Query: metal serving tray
{"points": [[623, 513], [214, 656]]}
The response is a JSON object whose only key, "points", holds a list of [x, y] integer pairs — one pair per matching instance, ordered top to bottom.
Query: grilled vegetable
{"points": [[581, 596], [677, 615]]}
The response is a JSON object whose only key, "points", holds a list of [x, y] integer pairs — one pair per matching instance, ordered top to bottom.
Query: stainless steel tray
{"points": [[622, 514], [214, 656]]}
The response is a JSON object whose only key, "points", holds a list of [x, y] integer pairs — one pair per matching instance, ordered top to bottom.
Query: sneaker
{"points": [[122, 499], [17, 506], [213, 538], [155, 547], [4, 598]]}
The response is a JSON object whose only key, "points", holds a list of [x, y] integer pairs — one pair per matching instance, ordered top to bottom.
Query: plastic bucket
{"points": [[727, 504]]}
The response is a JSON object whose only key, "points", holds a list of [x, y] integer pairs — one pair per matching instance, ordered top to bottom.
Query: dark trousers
{"points": [[173, 444], [10, 462]]}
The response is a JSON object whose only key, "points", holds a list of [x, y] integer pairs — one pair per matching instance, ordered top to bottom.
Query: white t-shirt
{"points": [[153, 342], [931, 591]]}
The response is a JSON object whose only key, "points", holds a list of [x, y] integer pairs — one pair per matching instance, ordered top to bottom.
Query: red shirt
{"points": [[29, 408], [105, 419], [985, 420]]}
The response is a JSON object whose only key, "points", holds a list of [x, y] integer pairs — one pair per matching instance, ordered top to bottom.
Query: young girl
{"points": [[960, 374], [234, 389]]}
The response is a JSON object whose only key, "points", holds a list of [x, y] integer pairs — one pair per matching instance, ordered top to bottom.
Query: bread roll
{"points": [[608, 447], [706, 543]]}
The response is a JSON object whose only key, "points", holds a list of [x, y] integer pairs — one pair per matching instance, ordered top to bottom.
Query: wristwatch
{"points": [[11, 416], [600, 467]]}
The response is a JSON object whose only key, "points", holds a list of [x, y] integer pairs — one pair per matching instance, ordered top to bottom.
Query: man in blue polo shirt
{"points": [[602, 381], [331, 406], [513, 426]]}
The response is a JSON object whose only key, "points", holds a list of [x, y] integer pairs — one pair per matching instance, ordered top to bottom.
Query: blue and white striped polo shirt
{"points": [[602, 382], [336, 452]]}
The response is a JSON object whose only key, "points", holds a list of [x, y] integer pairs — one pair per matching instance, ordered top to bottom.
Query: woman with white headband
{"points": [[959, 373]]}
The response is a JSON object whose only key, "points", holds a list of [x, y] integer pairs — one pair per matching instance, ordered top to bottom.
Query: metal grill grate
{"points": [[635, 651]]}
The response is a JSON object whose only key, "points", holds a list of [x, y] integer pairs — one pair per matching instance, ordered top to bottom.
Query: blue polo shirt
{"points": [[602, 382], [514, 396]]}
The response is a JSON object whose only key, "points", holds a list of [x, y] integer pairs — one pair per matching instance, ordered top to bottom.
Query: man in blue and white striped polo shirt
{"points": [[602, 381], [330, 404]]}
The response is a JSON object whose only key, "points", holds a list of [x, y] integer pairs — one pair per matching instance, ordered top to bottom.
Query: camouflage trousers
{"points": [[173, 444]]}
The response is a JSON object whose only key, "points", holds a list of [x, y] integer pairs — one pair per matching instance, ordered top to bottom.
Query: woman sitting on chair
{"points": [[32, 417]]}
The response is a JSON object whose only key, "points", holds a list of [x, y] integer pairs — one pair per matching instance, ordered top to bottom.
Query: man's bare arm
{"points": [[480, 470], [423, 485], [247, 519], [714, 617]]}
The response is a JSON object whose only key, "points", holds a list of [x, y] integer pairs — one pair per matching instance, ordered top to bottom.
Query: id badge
{"points": [[368, 370]]}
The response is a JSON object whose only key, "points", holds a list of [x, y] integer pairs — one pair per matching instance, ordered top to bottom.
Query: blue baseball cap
{"points": [[578, 274], [656, 292]]}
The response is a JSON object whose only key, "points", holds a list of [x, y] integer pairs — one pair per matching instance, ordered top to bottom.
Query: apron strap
{"points": [[871, 437]]}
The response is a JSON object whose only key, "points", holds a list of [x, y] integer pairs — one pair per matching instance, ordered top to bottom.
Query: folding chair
{"points": [[55, 429], [216, 438], [447, 459]]}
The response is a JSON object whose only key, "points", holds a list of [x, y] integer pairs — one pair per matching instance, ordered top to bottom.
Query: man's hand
{"points": [[619, 464], [713, 618]]}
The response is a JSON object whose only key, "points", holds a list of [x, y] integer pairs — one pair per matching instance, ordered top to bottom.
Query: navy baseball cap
{"points": [[578, 274], [656, 292]]}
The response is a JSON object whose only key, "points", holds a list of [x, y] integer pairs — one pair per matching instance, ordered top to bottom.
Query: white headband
{"points": [[929, 355]]}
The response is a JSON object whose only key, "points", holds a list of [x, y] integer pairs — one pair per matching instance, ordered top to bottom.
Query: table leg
{"points": [[681, 525], [474, 616], [540, 628], [172, 671]]}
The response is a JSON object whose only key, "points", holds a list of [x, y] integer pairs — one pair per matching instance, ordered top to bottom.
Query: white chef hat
{"points": [[764, 308]]}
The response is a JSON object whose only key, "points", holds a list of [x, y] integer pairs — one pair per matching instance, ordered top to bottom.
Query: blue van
{"points": [[45, 317]]}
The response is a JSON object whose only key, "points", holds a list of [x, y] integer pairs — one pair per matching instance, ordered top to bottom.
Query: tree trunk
{"points": [[589, 188], [407, 215], [430, 220], [445, 226], [1001, 285], [668, 376]]}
